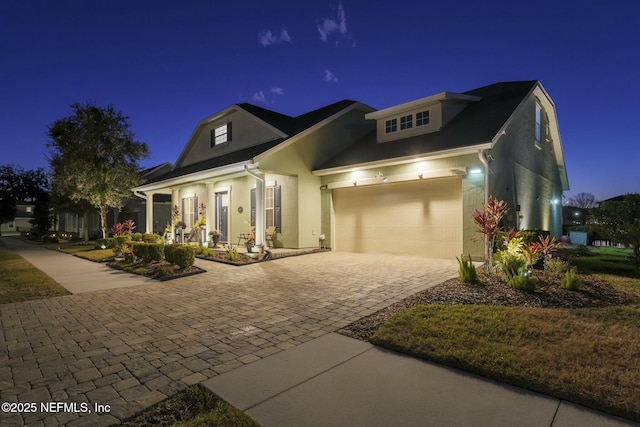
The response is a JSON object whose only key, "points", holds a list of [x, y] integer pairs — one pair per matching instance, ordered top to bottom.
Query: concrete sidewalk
{"points": [[75, 274], [338, 381]]}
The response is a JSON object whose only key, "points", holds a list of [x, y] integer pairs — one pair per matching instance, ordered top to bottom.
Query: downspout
{"points": [[261, 218]]}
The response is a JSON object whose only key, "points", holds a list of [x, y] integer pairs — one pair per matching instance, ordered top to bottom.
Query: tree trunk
{"points": [[103, 220], [85, 225]]}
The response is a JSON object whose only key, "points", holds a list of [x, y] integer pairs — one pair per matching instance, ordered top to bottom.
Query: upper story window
{"points": [[422, 118], [406, 122], [391, 125], [538, 130], [221, 135], [29, 209]]}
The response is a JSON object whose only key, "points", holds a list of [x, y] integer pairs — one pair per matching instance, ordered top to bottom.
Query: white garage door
{"points": [[419, 218]]}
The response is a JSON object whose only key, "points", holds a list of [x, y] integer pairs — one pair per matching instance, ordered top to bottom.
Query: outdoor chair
{"points": [[270, 234]]}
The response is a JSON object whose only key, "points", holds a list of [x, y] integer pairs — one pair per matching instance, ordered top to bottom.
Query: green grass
{"points": [[96, 255], [604, 260], [21, 281], [587, 356], [192, 407]]}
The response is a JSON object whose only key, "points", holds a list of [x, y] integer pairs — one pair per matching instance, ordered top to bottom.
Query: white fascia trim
{"points": [[439, 97], [312, 129], [470, 149], [195, 177]]}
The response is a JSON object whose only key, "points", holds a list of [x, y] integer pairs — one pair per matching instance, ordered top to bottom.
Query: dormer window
{"points": [[422, 118], [406, 122], [391, 126], [221, 135]]}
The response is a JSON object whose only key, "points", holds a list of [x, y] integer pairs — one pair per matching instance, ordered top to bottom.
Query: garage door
{"points": [[419, 218]]}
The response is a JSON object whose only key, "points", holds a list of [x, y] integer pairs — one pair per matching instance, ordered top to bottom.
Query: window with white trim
{"points": [[422, 118], [406, 122], [391, 126], [221, 135], [189, 211]]}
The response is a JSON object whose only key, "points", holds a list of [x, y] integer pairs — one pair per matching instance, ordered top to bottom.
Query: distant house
{"points": [[401, 180], [134, 209], [22, 221]]}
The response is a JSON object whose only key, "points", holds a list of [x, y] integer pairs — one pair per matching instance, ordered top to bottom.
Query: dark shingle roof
{"points": [[478, 123], [287, 124]]}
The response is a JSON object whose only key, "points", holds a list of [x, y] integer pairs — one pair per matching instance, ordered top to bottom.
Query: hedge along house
{"points": [[249, 165], [411, 185]]}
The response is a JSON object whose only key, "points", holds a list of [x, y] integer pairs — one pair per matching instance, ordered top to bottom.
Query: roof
{"points": [[477, 124], [291, 126]]}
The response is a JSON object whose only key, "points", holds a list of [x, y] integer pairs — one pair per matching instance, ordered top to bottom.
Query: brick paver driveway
{"points": [[132, 347]]}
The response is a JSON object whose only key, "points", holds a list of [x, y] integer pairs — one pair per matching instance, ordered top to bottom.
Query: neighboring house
{"points": [[402, 180], [134, 209], [22, 221]]}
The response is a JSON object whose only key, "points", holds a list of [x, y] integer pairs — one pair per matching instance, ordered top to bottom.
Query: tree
{"points": [[95, 157], [31, 186], [583, 200], [8, 209], [620, 220]]}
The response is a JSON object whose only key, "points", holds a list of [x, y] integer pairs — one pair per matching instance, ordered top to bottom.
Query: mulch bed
{"points": [[221, 256], [493, 291]]}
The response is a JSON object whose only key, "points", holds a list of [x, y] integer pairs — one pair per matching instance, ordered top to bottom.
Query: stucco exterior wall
{"points": [[246, 132], [525, 174]]}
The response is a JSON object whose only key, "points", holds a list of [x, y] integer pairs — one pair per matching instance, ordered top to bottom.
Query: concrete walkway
{"points": [[261, 336], [338, 381]]}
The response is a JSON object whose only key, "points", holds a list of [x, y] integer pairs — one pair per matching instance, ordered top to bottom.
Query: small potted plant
{"points": [[214, 236]]}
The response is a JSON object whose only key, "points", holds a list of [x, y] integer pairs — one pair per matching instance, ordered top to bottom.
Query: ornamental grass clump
{"points": [[467, 271], [570, 281]]}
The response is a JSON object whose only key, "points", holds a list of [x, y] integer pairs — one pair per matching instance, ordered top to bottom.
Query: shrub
{"points": [[136, 237], [151, 238], [50, 239], [122, 239], [105, 243], [581, 250], [149, 252], [232, 253], [181, 255], [511, 260], [555, 267], [466, 271], [521, 281], [570, 281]]}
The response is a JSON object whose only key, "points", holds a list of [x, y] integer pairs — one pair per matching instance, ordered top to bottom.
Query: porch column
{"points": [[175, 201], [211, 209], [149, 213], [261, 214]]}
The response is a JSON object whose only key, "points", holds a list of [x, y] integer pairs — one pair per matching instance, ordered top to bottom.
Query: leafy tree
{"points": [[94, 157], [31, 186], [582, 200], [8, 209], [620, 220], [488, 223]]}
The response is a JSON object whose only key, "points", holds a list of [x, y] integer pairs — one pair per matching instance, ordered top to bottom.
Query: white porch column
{"points": [[175, 201], [211, 209], [149, 213]]}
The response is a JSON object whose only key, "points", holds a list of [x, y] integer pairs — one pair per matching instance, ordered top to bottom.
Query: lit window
{"points": [[422, 118], [406, 122], [538, 122], [391, 125], [221, 135], [268, 205], [29, 209], [189, 211]]}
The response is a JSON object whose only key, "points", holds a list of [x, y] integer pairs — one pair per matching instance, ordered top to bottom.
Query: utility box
{"points": [[578, 237]]}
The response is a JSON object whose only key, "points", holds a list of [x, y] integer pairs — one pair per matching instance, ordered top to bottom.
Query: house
{"points": [[402, 180], [134, 208], [22, 222]]}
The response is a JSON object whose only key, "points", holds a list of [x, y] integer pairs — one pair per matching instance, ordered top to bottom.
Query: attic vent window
{"points": [[422, 118], [406, 122], [538, 122], [391, 126], [221, 135]]}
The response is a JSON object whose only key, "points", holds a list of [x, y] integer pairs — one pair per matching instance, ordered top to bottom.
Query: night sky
{"points": [[167, 65]]}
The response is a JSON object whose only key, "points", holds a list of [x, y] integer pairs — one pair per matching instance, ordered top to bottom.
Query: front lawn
{"points": [[602, 260], [21, 281], [579, 346]]}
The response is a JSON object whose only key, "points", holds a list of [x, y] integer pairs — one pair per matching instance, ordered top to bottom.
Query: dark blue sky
{"points": [[167, 65]]}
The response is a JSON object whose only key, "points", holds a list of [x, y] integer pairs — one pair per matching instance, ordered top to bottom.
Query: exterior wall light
{"points": [[475, 170]]}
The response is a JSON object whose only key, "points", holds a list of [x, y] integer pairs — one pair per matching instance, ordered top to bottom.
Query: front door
{"points": [[222, 215]]}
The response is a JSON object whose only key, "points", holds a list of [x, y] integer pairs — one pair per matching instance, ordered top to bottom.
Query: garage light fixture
{"points": [[475, 170]]}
